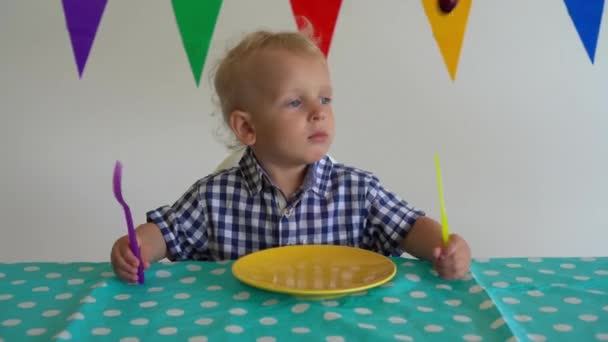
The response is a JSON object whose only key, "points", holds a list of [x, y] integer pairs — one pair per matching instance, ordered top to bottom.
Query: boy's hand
{"points": [[453, 260], [124, 262]]}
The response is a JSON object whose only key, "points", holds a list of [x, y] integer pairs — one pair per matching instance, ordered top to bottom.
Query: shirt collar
{"points": [[316, 180]]}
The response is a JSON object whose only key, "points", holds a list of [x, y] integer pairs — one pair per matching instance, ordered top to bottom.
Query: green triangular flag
{"points": [[196, 21]]}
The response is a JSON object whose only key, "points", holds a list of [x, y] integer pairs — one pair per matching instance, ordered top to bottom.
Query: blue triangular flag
{"points": [[587, 17]]}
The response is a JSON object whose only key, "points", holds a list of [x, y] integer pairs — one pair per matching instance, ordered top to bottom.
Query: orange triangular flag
{"points": [[448, 30]]}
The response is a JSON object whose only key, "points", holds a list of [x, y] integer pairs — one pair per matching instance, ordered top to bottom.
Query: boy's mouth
{"points": [[318, 136]]}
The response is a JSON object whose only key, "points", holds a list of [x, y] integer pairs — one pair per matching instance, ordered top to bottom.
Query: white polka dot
{"points": [[482, 260], [535, 260], [222, 262], [407, 264], [513, 265], [567, 266], [31, 268], [193, 268], [85, 269], [218, 271], [544, 271], [601, 272], [434, 273], [491, 273], [107, 274], [163, 274], [2, 275], [53, 275], [412, 277], [467, 277], [581, 278], [524, 279], [187, 280], [75, 281], [18, 282], [99, 284], [389, 284], [500, 284], [559, 285], [444, 287], [214, 288], [41, 289], [156, 289], [475, 289], [596, 292], [535, 293], [359, 294], [418, 294], [6, 296], [63, 296], [181, 296], [241, 296], [122, 297], [88, 299], [391, 300], [510, 300], [572, 300], [270, 302], [453, 302], [331, 303], [148, 304], [209, 304], [486, 304], [26, 305], [299, 308], [605, 308], [425, 309], [548, 309], [238, 311], [363, 311], [175, 312], [51, 313], [111, 313], [76, 316], [330, 316], [462, 318], [522, 318], [588, 318], [397, 320], [203, 321], [268, 321], [11, 322], [497, 323], [366, 326], [562, 327], [433, 328], [235, 329], [300, 330], [101, 331], [167, 331], [36, 332], [64, 335], [537, 337], [602, 337], [403, 338], [472, 338], [198, 339], [266, 339], [334, 339], [512, 339]]}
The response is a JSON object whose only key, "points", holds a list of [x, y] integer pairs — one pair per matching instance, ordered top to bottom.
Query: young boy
{"points": [[275, 94]]}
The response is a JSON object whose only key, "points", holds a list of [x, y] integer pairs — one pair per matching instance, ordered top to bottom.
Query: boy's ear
{"points": [[242, 127]]}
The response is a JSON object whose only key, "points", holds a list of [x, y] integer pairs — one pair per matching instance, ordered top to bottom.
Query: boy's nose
{"points": [[317, 113]]}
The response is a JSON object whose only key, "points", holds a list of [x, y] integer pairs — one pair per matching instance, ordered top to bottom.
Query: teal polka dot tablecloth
{"points": [[515, 299]]}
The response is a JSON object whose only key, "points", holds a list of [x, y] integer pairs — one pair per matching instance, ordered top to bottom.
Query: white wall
{"points": [[522, 133]]}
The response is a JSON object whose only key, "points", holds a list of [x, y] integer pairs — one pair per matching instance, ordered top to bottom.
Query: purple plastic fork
{"points": [[131, 230]]}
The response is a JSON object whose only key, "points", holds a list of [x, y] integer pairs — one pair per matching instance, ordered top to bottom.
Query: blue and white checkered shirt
{"points": [[238, 211]]}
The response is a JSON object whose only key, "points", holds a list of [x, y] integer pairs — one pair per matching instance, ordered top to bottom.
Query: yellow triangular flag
{"points": [[448, 30]]}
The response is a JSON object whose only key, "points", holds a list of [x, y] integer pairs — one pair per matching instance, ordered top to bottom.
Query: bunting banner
{"points": [[322, 15], [587, 18], [82, 21], [196, 21], [449, 30]]}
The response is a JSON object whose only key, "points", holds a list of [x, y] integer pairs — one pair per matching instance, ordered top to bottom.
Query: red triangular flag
{"points": [[322, 14]]}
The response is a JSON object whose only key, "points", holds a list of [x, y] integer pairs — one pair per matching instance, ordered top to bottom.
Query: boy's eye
{"points": [[325, 100], [294, 103]]}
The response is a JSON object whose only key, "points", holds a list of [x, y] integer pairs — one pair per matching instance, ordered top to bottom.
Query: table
{"points": [[505, 299]]}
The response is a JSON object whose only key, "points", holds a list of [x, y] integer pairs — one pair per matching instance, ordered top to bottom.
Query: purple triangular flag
{"points": [[82, 18]]}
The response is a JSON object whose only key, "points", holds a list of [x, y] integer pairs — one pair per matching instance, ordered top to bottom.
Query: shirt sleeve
{"points": [[389, 219], [183, 226]]}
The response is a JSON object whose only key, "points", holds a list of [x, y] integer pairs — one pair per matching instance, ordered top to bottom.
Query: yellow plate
{"points": [[312, 271]]}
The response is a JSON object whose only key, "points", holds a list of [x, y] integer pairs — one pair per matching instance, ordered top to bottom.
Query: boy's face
{"points": [[291, 109]]}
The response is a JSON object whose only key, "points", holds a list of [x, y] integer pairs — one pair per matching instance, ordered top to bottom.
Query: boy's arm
{"points": [[423, 238], [151, 239]]}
